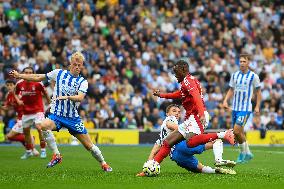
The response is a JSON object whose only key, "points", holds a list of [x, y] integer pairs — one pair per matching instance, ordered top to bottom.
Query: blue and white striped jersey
{"points": [[66, 85], [243, 85]]}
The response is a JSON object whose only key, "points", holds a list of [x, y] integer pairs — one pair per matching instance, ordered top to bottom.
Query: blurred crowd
{"points": [[131, 45]]}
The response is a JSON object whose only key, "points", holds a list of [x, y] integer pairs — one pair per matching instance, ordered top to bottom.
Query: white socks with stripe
{"points": [[50, 141], [218, 150], [97, 154], [207, 169]]}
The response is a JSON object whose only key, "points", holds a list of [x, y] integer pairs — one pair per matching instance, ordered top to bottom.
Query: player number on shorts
{"points": [[241, 118], [79, 127]]}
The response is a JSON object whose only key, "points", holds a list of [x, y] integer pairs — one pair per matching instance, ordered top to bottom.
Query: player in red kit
{"points": [[12, 101], [33, 112], [196, 118]]}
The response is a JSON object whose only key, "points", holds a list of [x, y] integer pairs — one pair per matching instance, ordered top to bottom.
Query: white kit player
{"points": [[242, 84], [70, 89]]}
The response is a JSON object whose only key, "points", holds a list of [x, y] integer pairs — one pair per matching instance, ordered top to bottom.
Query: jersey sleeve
{"points": [[52, 75], [256, 82], [232, 84], [84, 86], [174, 95]]}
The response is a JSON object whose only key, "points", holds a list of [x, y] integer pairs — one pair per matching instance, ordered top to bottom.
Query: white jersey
{"points": [[66, 85], [243, 85], [165, 131]]}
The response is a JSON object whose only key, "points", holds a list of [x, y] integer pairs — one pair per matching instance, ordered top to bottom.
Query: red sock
{"points": [[19, 138], [201, 139], [42, 144], [29, 146], [163, 152]]}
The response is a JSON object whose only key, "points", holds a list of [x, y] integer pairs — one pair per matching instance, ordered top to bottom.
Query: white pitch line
{"points": [[271, 152]]}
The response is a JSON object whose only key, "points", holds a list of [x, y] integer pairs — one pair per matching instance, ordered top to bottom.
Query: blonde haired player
{"points": [[70, 89]]}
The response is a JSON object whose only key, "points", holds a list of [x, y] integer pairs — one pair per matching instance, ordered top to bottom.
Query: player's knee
{"points": [[237, 132]]}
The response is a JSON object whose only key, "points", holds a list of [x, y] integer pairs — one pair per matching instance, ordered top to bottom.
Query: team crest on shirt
{"points": [[33, 88], [22, 89]]}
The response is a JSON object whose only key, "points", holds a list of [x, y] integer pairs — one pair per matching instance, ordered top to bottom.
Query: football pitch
{"points": [[80, 170]]}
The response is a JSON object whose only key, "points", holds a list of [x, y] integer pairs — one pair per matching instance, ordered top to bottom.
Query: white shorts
{"points": [[29, 120], [193, 125], [18, 127]]}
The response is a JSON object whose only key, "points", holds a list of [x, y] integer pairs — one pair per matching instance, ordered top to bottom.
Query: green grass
{"points": [[80, 170]]}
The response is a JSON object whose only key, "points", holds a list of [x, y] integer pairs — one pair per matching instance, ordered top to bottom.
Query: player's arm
{"points": [[28, 77], [256, 84], [230, 92], [45, 94], [174, 95], [229, 95], [17, 98], [77, 98], [258, 100], [171, 125], [155, 149]]}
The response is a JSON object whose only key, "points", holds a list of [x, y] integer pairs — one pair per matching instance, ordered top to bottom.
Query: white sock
{"points": [[221, 134], [50, 141], [243, 147], [246, 147], [218, 150], [96, 153], [207, 169]]}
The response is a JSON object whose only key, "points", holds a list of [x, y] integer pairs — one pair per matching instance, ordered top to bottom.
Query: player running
{"points": [[241, 85], [70, 89], [31, 93], [12, 101], [196, 118], [183, 155]]}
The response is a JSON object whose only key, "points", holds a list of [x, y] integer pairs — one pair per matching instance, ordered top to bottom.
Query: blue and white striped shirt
{"points": [[66, 85], [243, 85]]}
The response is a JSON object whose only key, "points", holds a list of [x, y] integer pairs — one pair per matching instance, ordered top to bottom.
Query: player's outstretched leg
{"points": [[204, 138], [172, 139], [50, 140], [28, 144], [42, 144], [95, 151], [218, 154], [218, 170]]}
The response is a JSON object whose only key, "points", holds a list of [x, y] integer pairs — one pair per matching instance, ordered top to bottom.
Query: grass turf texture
{"points": [[80, 170]]}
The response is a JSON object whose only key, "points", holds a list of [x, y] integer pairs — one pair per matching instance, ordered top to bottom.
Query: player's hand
{"points": [[14, 74], [157, 92], [62, 98], [21, 103], [225, 105], [256, 110]]}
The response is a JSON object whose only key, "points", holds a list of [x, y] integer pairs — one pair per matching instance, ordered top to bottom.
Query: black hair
{"points": [[29, 68], [10, 81]]}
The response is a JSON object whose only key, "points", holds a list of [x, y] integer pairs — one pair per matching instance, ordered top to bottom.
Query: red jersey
{"points": [[31, 95], [191, 96], [11, 101]]}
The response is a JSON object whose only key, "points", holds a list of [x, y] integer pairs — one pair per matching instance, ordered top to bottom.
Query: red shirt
{"points": [[31, 95], [191, 96], [11, 101]]}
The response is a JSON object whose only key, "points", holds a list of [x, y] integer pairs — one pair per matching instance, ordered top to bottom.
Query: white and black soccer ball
{"points": [[151, 168]]}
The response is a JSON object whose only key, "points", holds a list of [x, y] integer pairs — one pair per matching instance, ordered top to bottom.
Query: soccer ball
{"points": [[151, 168]]}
